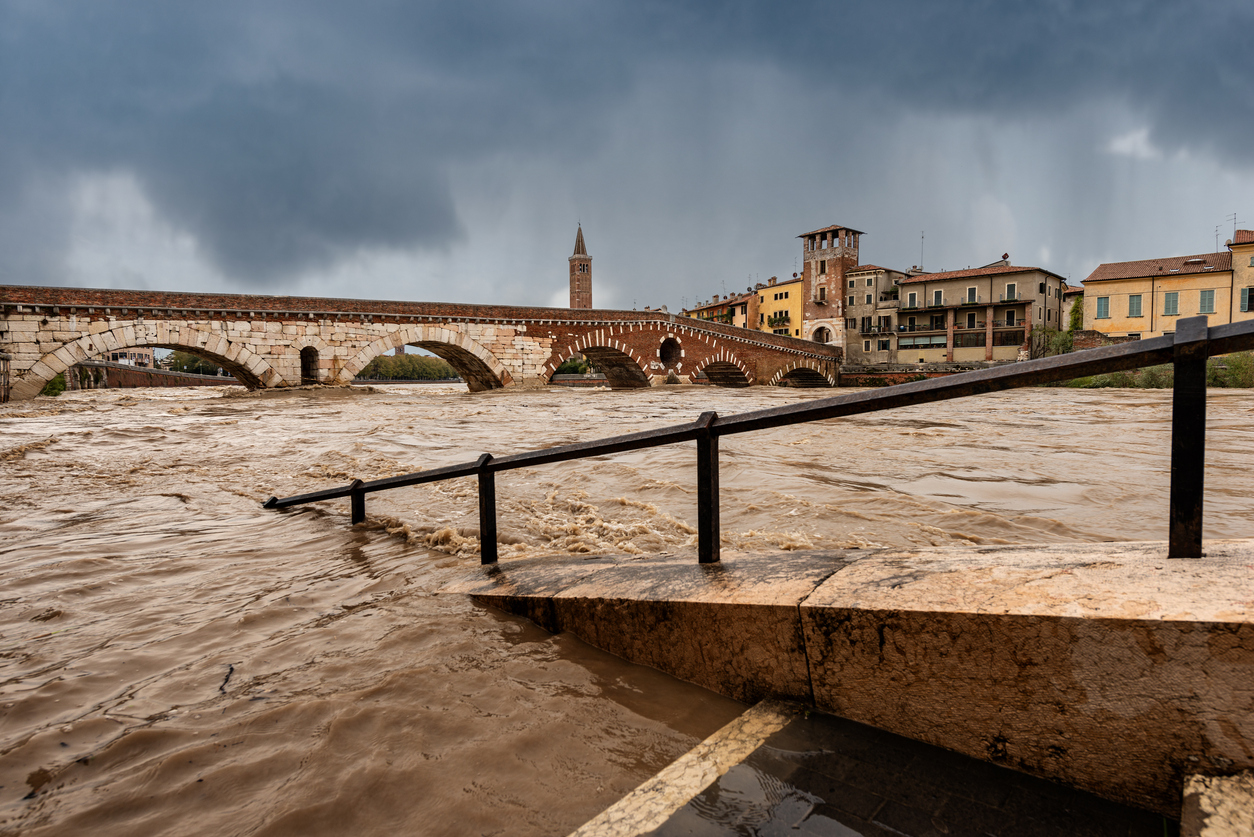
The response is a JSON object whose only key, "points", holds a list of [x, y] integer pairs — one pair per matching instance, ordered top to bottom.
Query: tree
{"points": [[188, 362]]}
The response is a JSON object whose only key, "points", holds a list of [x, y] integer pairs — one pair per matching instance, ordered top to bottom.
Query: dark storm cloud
{"points": [[285, 136]]}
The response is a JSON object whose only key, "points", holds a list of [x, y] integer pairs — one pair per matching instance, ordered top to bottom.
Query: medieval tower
{"points": [[826, 255], [580, 274]]}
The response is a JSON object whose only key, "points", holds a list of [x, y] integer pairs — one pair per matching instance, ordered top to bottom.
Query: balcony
{"points": [[1014, 296], [976, 300], [941, 303], [910, 306], [1008, 323], [979, 324], [920, 327]]}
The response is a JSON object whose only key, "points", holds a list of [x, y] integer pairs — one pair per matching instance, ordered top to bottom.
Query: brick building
{"points": [[580, 274]]}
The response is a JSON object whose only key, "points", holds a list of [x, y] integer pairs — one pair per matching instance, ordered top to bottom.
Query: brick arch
{"points": [[622, 365], [477, 366], [248, 368], [725, 370], [806, 372]]}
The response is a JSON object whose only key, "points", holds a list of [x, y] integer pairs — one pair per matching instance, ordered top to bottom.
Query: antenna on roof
{"points": [[1233, 219], [921, 237], [1217, 238]]}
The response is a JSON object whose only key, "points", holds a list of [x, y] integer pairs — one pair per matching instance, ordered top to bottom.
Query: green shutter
{"points": [[1245, 299]]}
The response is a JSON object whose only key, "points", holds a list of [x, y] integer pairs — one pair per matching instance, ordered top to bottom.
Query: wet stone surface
{"points": [[822, 775]]}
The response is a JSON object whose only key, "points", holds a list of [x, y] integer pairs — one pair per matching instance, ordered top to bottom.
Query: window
{"points": [[1251, 261], [823, 266], [870, 280], [851, 284], [1042, 287], [1010, 292], [822, 293], [1246, 293], [785, 294], [970, 294], [762, 298], [868, 298], [937, 299], [851, 300], [912, 300], [1171, 304], [1134, 305], [1207, 305], [1103, 308], [744, 309], [1010, 318], [761, 319], [970, 319], [938, 322], [1134, 335], [1007, 338], [969, 340], [936, 342], [866, 345], [884, 345]]}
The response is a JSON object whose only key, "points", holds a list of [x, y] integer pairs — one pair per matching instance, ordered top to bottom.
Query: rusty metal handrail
{"points": [[1188, 349]]}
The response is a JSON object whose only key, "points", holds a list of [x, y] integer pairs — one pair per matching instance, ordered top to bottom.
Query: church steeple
{"points": [[580, 274]]}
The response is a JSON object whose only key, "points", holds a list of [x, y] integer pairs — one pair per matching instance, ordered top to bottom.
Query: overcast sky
{"points": [[446, 151]]}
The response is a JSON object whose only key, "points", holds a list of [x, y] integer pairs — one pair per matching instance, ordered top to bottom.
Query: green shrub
{"points": [[54, 387]]}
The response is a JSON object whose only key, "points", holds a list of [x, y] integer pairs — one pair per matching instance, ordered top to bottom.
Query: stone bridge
{"points": [[279, 341]]}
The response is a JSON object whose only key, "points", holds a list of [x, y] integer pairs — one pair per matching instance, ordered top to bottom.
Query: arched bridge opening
{"points": [[237, 361], [470, 368], [621, 370], [724, 373], [803, 376]]}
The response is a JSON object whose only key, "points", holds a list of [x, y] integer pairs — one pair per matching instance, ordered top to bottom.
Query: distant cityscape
{"points": [[987, 314]]}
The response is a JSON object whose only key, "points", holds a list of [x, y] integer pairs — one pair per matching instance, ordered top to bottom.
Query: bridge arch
{"points": [[622, 365], [478, 367], [249, 369], [724, 369], [804, 373]]}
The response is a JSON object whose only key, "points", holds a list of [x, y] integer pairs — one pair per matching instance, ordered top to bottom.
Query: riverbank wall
{"points": [[1104, 667]]}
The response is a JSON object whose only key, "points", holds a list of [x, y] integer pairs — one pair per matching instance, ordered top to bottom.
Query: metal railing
{"points": [[1188, 349]]}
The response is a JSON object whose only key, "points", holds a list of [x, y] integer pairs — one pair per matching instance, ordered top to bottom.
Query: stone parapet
{"points": [[1105, 667]]}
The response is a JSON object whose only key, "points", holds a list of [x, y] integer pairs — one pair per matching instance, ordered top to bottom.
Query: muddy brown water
{"points": [[175, 659]]}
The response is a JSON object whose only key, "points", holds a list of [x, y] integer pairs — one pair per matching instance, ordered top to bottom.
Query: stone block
{"points": [[97, 327], [1218, 806]]}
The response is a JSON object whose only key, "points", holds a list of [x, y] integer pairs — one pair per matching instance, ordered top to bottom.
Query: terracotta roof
{"points": [[829, 229], [1243, 237], [579, 248], [1170, 266], [864, 267], [992, 270], [1067, 290]]}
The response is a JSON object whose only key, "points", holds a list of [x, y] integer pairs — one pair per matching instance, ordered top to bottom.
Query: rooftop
{"points": [[832, 228], [1243, 237], [1170, 266], [989, 270]]}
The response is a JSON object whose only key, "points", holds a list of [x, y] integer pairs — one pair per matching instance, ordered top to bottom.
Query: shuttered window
{"points": [[1171, 303], [1103, 308]]}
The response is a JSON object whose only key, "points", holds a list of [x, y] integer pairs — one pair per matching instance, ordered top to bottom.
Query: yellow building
{"points": [[1145, 298], [781, 307]]}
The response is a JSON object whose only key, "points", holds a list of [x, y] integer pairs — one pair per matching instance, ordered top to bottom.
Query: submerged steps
{"points": [[1104, 667]]}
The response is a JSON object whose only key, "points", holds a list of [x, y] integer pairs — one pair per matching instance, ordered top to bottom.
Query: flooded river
{"points": [[175, 659]]}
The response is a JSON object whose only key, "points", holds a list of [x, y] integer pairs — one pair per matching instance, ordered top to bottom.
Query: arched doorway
{"points": [[822, 335], [308, 365]]}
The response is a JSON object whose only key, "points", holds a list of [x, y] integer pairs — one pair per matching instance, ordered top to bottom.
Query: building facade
{"points": [[827, 255], [580, 274], [1146, 298], [871, 303], [976, 315]]}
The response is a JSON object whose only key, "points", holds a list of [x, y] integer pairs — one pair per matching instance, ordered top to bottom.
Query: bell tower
{"points": [[580, 274]]}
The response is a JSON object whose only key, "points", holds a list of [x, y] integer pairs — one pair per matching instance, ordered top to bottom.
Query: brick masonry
{"points": [[259, 338]]}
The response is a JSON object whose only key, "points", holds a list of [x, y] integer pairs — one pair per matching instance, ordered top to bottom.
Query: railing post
{"points": [[1188, 438], [707, 491], [357, 498], [487, 511]]}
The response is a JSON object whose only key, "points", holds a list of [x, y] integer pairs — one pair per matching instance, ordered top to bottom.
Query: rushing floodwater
{"points": [[177, 660]]}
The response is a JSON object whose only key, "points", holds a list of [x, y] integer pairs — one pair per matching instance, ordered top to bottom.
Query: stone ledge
{"points": [[1101, 666]]}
